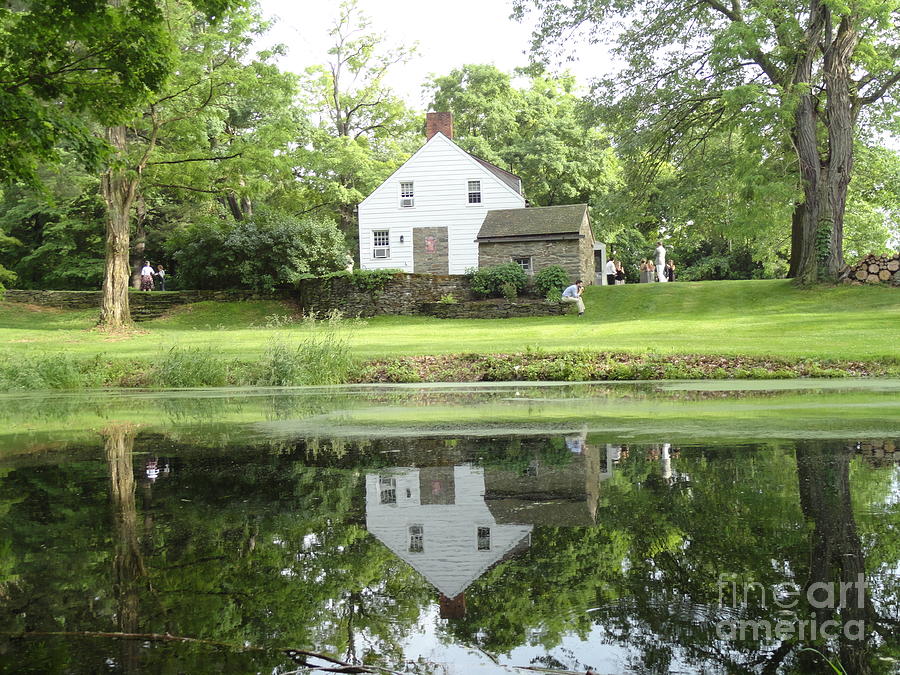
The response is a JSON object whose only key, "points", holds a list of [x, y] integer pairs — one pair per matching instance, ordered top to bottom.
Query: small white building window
{"points": [[474, 192], [407, 194], [381, 244], [524, 263], [388, 489], [416, 539], [484, 539]]}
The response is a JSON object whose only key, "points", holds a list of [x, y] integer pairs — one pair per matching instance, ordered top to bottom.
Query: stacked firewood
{"points": [[874, 269], [887, 449]]}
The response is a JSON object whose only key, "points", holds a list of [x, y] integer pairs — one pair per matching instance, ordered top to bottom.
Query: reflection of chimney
{"points": [[438, 121], [453, 608]]}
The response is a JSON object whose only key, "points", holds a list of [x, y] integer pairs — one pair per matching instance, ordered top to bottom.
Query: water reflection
{"points": [[563, 550]]}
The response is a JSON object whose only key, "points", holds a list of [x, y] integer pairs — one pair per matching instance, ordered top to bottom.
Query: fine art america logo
{"points": [[784, 601]]}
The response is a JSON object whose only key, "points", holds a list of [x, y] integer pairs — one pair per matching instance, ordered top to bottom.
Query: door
{"points": [[430, 250]]}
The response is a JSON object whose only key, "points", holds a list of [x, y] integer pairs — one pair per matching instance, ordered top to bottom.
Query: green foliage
{"points": [[64, 66], [541, 132], [55, 232], [271, 250], [489, 281], [551, 281], [509, 291], [448, 299], [323, 357], [180, 367], [39, 371]]}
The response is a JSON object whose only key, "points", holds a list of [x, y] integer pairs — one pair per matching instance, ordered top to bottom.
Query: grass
{"points": [[737, 318]]}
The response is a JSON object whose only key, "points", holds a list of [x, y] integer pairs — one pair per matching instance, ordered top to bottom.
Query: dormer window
{"points": [[474, 192], [407, 195]]}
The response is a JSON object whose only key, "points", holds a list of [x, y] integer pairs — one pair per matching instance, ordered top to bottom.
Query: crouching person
{"points": [[573, 294]]}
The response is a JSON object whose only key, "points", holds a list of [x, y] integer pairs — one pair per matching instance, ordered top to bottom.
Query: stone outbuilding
{"points": [[538, 237]]}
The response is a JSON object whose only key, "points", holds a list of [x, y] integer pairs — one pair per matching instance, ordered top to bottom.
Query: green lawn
{"points": [[753, 318]]}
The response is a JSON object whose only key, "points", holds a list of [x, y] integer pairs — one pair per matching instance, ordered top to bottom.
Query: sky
{"points": [[449, 34]]}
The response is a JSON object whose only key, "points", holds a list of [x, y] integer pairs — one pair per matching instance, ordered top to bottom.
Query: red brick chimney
{"points": [[438, 121], [453, 608]]}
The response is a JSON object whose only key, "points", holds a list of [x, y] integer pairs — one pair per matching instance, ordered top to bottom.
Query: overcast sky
{"points": [[449, 35]]}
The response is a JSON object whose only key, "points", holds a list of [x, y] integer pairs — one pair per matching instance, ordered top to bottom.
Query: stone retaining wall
{"points": [[404, 294], [91, 299], [493, 309]]}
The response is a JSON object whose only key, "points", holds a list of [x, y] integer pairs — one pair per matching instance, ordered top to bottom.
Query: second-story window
{"points": [[474, 192], [407, 194]]}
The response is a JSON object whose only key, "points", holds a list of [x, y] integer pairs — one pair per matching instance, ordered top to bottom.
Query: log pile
{"points": [[874, 269], [879, 449]]}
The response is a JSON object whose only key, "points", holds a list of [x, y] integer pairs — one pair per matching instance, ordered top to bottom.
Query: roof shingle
{"points": [[533, 221]]}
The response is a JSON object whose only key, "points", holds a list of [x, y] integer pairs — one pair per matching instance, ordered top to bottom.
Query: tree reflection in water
{"points": [[268, 546]]}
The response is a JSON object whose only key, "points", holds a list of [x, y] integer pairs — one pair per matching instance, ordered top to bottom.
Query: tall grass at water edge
{"points": [[318, 357]]}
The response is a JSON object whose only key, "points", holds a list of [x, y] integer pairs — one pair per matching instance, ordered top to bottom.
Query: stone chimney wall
{"points": [[438, 121]]}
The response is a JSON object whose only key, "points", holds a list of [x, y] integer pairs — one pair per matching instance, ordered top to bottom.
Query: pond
{"points": [[668, 527]]}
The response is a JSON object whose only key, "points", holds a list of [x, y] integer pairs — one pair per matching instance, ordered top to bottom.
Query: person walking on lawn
{"points": [[661, 261], [147, 277], [573, 294]]}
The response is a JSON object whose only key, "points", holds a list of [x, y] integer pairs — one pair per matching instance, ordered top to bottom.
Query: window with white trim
{"points": [[474, 192], [407, 194], [381, 243], [524, 263], [387, 488], [416, 539], [484, 539]]}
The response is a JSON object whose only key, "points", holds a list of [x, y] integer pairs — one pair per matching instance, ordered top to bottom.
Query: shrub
{"points": [[270, 250], [551, 280], [489, 281], [509, 291], [448, 299]]}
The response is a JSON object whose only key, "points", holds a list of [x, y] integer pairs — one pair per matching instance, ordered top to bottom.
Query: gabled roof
{"points": [[511, 179], [540, 220]]}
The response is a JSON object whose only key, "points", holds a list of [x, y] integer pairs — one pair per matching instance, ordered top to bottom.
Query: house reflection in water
{"points": [[452, 523]]}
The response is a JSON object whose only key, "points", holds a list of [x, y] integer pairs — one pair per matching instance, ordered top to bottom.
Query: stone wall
{"points": [[575, 256], [404, 294], [91, 299], [493, 309]]}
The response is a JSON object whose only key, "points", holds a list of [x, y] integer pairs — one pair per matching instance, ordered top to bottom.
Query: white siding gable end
{"points": [[440, 173]]}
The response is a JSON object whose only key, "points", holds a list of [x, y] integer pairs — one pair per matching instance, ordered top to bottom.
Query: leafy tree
{"points": [[59, 60], [798, 75], [201, 121], [361, 130], [542, 132], [56, 232], [267, 250]]}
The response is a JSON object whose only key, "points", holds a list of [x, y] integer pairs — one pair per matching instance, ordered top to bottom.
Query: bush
{"points": [[272, 250], [551, 280], [488, 281], [509, 291]]}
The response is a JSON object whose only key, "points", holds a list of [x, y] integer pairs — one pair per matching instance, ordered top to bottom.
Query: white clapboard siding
{"points": [[440, 172], [450, 559]]}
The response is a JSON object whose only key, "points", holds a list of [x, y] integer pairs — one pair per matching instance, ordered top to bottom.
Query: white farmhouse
{"points": [[425, 218], [436, 519]]}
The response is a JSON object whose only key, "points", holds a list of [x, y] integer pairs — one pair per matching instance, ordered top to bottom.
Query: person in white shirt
{"points": [[660, 261], [610, 273], [146, 277], [573, 294]]}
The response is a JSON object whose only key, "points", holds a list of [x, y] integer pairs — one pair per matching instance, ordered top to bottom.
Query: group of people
{"points": [[651, 269], [147, 274]]}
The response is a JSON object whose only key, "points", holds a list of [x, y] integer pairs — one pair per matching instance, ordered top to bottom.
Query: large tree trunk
{"points": [[840, 122], [118, 189], [796, 239], [139, 242], [836, 552], [129, 573]]}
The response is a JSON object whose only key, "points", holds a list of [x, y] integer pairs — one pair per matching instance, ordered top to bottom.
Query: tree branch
{"points": [[196, 159]]}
